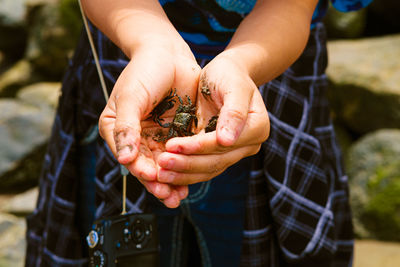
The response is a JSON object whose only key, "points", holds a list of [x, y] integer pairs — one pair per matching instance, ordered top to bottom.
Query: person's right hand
{"points": [[226, 90], [125, 123]]}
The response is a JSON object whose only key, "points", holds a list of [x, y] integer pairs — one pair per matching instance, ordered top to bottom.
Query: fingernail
{"points": [[228, 134]]}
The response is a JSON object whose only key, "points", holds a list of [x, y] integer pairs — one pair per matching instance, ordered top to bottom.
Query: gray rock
{"points": [[33, 3], [12, 12], [384, 16], [345, 24], [13, 27], [53, 36], [3, 63], [15, 77], [365, 82], [43, 94], [25, 125], [373, 165], [21, 204], [12, 240]]}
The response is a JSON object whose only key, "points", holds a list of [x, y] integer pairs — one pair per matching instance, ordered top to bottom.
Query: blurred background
{"points": [[37, 37]]}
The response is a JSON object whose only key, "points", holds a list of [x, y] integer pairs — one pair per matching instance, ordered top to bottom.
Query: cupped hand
{"points": [[226, 90], [126, 124]]}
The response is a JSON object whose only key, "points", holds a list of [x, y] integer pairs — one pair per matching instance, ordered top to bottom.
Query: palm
{"points": [[126, 122]]}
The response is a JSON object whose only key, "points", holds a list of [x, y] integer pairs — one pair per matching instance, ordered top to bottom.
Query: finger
{"points": [[134, 96], [233, 115], [257, 125], [106, 128], [127, 128], [255, 131], [122, 134], [124, 140], [202, 143], [206, 143], [203, 163], [143, 166], [197, 168], [188, 178], [159, 190], [165, 191], [183, 191], [173, 201]]}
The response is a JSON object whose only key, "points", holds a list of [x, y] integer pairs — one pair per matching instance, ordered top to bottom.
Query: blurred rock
{"points": [[33, 3], [12, 12], [383, 17], [345, 24], [13, 29], [53, 36], [2, 62], [15, 77], [365, 82], [44, 94], [25, 125], [344, 138], [373, 166], [24, 174], [22, 204], [12, 241]]}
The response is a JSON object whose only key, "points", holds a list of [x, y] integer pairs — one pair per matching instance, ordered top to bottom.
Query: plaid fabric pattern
{"points": [[297, 209], [298, 213]]}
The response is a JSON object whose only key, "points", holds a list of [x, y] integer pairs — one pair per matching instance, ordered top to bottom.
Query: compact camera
{"points": [[124, 240]]}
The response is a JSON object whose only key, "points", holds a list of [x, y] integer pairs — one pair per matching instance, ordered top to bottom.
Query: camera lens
{"points": [[138, 232]]}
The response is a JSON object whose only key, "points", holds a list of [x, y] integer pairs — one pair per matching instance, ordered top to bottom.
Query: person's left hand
{"points": [[127, 123], [242, 126]]}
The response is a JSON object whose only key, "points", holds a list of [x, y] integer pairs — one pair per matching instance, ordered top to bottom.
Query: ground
{"points": [[368, 253], [371, 253]]}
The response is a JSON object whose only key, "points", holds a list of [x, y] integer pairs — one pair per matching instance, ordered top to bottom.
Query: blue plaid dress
{"points": [[297, 211]]}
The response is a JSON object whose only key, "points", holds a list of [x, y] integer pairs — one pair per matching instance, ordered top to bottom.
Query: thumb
{"points": [[129, 100], [232, 117], [127, 130], [121, 136]]}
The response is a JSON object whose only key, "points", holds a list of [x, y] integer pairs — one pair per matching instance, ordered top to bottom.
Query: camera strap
{"points": [[124, 171]]}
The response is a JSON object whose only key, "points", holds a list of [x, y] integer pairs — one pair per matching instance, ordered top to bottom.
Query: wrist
{"points": [[132, 24], [132, 34], [168, 45], [249, 58]]}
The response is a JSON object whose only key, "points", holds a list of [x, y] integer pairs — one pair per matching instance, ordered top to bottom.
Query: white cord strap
{"points": [[96, 58], [124, 171]]}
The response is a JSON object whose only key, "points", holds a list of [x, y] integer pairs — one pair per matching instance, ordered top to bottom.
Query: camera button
{"points": [[127, 235], [92, 239], [99, 258]]}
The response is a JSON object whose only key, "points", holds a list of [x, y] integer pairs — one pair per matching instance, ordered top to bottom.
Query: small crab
{"points": [[205, 91], [166, 104], [181, 124], [212, 124]]}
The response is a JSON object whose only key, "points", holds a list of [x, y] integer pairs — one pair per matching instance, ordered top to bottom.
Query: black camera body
{"points": [[124, 240]]}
